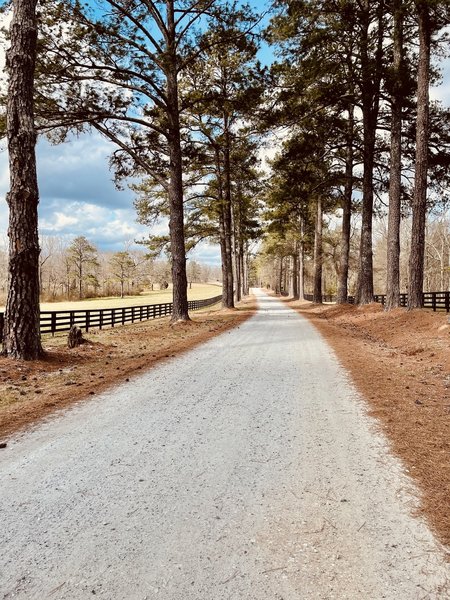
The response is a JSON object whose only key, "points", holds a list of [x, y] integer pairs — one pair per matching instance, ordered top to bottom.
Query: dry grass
{"points": [[198, 291], [400, 361], [30, 391]]}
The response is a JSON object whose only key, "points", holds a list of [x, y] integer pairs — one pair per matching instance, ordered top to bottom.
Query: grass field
{"points": [[199, 291]]}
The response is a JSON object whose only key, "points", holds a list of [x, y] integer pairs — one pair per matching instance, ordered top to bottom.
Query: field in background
{"points": [[199, 291]]}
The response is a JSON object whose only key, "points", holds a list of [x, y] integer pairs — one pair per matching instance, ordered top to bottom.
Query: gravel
{"points": [[246, 468]]}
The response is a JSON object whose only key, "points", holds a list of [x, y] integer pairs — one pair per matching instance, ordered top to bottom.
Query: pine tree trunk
{"points": [[370, 83], [395, 175], [227, 219], [176, 220], [236, 253], [416, 257], [301, 261], [241, 266], [279, 275], [365, 275], [245, 283], [317, 292], [295, 293], [342, 294], [227, 301], [21, 336]]}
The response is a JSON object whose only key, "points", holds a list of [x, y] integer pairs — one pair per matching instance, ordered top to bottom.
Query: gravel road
{"points": [[245, 469]]}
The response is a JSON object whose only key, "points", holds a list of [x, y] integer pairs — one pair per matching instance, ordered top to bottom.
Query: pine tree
{"points": [[21, 336]]}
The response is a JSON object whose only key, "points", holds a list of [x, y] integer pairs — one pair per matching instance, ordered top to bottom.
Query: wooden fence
{"points": [[434, 300], [56, 321]]}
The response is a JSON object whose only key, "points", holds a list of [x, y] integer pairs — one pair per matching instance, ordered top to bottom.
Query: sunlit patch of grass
{"points": [[199, 291]]}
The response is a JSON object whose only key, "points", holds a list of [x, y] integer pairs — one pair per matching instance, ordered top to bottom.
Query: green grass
{"points": [[199, 291]]}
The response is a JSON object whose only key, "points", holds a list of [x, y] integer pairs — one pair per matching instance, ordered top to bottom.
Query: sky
{"points": [[78, 196]]}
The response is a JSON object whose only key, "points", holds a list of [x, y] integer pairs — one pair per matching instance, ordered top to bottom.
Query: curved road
{"points": [[245, 469]]}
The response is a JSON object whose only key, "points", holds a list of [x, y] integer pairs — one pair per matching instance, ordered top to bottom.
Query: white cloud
{"points": [[61, 222]]}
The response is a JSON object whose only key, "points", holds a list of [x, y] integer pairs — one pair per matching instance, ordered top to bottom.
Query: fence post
{"points": [[433, 301], [447, 301], [88, 318], [101, 319], [53, 325]]}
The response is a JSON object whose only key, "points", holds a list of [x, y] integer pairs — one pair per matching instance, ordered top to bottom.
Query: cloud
{"points": [[78, 171], [77, 195], [205, 253]]}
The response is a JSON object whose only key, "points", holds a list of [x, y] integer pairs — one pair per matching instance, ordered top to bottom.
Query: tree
{"points": [[371, 28], [228, 70], [119, 71], [395, 176], [82, 257], [416, 258], [123, 267], [21, 332]]}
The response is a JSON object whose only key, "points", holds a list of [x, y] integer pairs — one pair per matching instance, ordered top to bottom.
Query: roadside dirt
{"points": [[400, 361], [30, 391]]}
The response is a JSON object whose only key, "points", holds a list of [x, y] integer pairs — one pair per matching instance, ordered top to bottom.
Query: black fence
{"points": [[434, 300], [56, 321]]}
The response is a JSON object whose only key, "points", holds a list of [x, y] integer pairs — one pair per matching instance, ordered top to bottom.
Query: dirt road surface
{"points": [[245, 469]]}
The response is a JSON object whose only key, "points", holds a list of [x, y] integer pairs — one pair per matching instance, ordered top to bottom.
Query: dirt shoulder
{"points": [[400, 361], [30, 391]]}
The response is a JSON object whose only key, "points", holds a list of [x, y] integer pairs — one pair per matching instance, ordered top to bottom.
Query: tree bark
{"points": [[370, 84], [395, 175], [419, 205], [227, 219], [176, 221], [236, 247], [301, 261], [295, 292], [317, 292], [342, 295], [21, 332]]}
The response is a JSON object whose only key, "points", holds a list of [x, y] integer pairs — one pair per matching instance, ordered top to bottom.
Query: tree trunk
{"points": [[370, 84], [395, 175], [419, 204], [176, 219], [227, 220], [236, 252], [241, 256], [301, 261], [245, 264], [279, 275], [80, 281], [295, 293], [317, 293], [342, 295], [227, 302], [21, 335]]}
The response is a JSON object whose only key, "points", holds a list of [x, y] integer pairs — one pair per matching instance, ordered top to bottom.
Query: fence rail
{"points": [[434, 300], [58, 321]]}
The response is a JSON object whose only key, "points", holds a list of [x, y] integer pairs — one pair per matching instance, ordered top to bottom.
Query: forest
{"points": [[322, 169]]}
